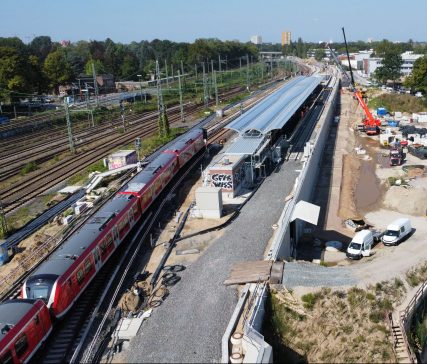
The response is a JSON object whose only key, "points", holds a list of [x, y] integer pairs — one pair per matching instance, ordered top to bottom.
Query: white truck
{"points": [[397, 231], [361, 245]]}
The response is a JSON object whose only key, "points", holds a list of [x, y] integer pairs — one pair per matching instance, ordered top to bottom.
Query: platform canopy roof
{"points": [[275, 110], [245, 145]]}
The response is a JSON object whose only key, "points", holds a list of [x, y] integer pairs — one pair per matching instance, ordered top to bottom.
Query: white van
{"points": [[397, 231], [361, 245]]}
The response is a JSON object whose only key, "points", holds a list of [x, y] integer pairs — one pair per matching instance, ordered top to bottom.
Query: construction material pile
{"points": [[411, 129], [418, 150], [411, 201]]}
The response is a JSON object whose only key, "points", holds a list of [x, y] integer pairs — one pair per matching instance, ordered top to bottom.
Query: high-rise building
{"points": [[286, 38], [256, 39]]}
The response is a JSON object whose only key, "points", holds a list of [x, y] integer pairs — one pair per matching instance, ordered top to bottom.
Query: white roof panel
{"points": [[273, 112], [245, 145]]}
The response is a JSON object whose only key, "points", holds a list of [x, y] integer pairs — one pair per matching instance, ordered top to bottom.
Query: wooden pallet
{"points": [[254, 271]]}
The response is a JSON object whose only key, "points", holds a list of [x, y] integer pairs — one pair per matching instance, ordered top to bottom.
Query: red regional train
{"points": [[61, 279], [24, 326]]}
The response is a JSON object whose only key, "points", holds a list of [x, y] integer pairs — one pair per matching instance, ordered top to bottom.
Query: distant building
{"points": [[286, 38], [256, 39], [65, 43], [312, 52], [409, 59], [371, 64]]}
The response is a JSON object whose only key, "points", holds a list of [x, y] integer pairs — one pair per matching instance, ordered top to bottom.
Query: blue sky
{"points": [[186, 20]]}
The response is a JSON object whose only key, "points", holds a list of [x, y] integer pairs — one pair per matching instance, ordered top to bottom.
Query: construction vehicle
{"points": [[371, 126], [396, 156]]}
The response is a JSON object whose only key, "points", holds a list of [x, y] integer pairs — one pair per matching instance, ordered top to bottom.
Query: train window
{"points": [[123, 224], [88, 266], [80, 276], [21, 345], [6, 358]]}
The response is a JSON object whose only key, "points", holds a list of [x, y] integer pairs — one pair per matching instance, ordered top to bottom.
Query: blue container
{"points": [[382, 111], [393, 123]]}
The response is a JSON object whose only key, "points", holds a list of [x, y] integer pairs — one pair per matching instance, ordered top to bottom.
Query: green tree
{"points": [[41, 46], [319, 54], [99, 67], [57, 68], [390, 68], [13, 72], [418, 79]]}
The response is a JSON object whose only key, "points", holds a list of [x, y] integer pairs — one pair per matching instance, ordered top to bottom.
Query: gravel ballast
{"points": [[188, 327]]}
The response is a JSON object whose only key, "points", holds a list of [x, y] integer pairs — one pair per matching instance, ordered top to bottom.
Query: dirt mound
{"points": [[350, 172], [412, 201]]}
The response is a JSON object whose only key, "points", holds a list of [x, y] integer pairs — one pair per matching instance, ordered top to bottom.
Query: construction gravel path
{"points": [[307, 274], [190, 324]]}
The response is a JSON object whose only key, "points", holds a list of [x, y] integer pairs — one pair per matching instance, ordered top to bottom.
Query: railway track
{"points": [[14, 159], [17, 195], [64, 342]]}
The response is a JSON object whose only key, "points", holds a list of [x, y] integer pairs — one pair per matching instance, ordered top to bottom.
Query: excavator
{"points": [[371, 126]]}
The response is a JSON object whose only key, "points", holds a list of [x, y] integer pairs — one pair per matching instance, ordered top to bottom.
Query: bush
{"points": [[29, 167], [309, 300], [376, 317]]}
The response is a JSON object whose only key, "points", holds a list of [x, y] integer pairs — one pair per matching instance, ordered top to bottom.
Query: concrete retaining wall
{"points": [[283, 246]]}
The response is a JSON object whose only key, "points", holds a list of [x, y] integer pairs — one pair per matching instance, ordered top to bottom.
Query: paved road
{"points": [[189, 326]]}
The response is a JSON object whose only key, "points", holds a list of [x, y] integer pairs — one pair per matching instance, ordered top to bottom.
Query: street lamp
{"points": [[140, 86]]}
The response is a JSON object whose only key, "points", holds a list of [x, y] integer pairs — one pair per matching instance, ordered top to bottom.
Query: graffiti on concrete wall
{"points": [[222, 180]]}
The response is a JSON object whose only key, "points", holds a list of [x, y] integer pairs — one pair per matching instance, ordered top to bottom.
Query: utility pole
{"points": [[219, 66], [271, 66], [195, 70], [182, 72], [247, 72], [172, 74], [167, 78], [95, 84], [214, 84], [140, 85], [205, 88], [216, 89], [181, 106], [163, 118], [69, 129]]}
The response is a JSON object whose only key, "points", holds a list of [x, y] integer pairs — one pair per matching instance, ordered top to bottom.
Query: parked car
{"points": [[397, 231], [361, 245]]}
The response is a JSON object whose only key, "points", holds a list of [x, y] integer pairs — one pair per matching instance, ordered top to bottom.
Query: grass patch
{"points": [[397, 102], [29, 167], [81, 177], [309, 300]]}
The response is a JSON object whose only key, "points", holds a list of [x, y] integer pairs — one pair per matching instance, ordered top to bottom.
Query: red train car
{"points": [[61, 279], [24, 326]]}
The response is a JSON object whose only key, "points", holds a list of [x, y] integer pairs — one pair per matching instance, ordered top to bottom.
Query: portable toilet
{"points": [[4, 256]]}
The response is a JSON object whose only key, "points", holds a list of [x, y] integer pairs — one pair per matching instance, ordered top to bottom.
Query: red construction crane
{"points": [[371, 126]]}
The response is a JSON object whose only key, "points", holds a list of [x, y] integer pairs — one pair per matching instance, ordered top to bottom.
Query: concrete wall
{"points": [[282, 247]]}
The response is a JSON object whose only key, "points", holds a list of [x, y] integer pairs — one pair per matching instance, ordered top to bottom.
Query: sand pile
{"points": [[412, 201]]}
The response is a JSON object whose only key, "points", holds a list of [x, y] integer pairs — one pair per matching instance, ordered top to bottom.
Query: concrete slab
{"points": [[128, 328]]}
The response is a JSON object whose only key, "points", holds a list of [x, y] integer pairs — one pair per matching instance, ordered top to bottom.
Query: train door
{"points": [[131, 218], [116, 235], [97, 258]]}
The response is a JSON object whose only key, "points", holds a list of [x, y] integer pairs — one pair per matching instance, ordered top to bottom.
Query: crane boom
{"points": [[371, 125]]}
